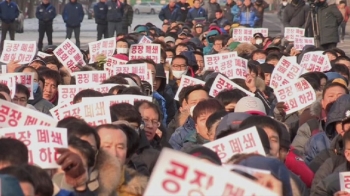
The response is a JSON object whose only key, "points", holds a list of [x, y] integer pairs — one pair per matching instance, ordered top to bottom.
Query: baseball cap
{"points": [[198, 25], [169, 39], [251, 105], [231, 121]]}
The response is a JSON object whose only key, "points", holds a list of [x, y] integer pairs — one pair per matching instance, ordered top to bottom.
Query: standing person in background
{"points": [[260, 6], [184, 7], [210, 7], [227, 10], [235, 10], [100, 11], [345, 11], [9, 12], [170, 12], [196, 12], [45, 13], [280, 14], [295, 14], [248, 15], [73, 16], [127, 16], [115, 17]]}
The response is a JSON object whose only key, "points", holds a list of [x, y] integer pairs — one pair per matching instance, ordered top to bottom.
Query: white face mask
{"points": [[284, 3], [258, 41], [122, 50], [261, 61], [179, 74], [191, 110]]}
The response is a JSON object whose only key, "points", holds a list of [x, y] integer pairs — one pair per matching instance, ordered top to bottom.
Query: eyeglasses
{"points": [[179, 66], [22, 100], [154, 123]]}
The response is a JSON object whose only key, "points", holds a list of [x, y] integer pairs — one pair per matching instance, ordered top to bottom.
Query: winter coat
{"points": [[184, 8], [211, 8], [260, 8], [235, 10], [115, 11], [227, 11], [8, 12], [100, 12], [280, 12], [196, 13], [45, 14], [73, 14], [128, 15], [170, 15], [295, 15], [249, 16], [329, 18], [221, 22], [41, 104], [162, 105], [170, 105], [304, 132], [178, 138], [193, 139], [321, 141], [145, 153], [104, 179], [132, 183]]}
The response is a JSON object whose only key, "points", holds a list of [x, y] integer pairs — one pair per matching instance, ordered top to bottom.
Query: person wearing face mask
{"points": [[280, 13], [295, 14], [258, 38], [122, 46], [179, 67], [38, 102]]}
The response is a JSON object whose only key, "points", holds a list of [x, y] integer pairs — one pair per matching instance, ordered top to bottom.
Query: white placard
{"points": [[290, 33], [246, 34], [145, 40], [301, 42], [104, 46], [22, 51], [145, 51], [69, 55], [315, 61], [111, 62], [212, 62], [138, 69], [284, 73], [90, 77], [10, 81], [187, 81], [221, 82], [296, 95], [116, 99], [54, 111], [13, 115], [245, 141], [177, 173], [344, 178]]}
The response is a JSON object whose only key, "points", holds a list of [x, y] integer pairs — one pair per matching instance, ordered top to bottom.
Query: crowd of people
{"points": [[305, 150]]}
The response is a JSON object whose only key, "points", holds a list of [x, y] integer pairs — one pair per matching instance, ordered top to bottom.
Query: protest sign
{"points": [[263, 31], [290, 33], [246, 34], [145, 40], [301, 42], [104, 47], [22, 51], [145, 51], [42, 54], [69, 55], [168, 60], [315, 61], [111, 62], [212, 62], [236, 67], [3, 69], [139, 69], [284, 73], [167, 76], [90, 77], [149, 78], [27, 79], [10, 81], [187, 81], [221, 83], [67, 92], [296, 95], [116, 99], [54, 111], [94, 112], [13, 115], [246, 141], [41, 142], [177, 173], [344, 178]]}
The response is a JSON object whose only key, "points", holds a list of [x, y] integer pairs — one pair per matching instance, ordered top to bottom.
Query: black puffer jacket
{"points": [[128, 15], [295, 15]]}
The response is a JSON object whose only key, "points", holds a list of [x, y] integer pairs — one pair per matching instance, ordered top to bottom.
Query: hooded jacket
{"points": [[73, 14], [207, 49], [178, 138], [322, 140], [104, 179]]}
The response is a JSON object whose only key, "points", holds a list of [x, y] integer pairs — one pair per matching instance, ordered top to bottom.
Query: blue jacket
{"points": [[235, 10], [115, 11], [8, 12], [100, 12], [45, 13], [196, 13], [73, 14], [166, 14], [248, 16], [221, 22], [207, 49], [162, 103], [178, 138], [322, 141], [64, 193]]}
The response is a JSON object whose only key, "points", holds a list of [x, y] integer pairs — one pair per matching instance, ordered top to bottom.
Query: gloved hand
{"points": [[71, 163]]}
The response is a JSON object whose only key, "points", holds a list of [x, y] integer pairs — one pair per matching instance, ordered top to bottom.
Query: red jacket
{"points": [[345, 14]]}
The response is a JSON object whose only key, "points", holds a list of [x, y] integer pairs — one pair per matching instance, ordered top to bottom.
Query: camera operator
{"points": [[329, 18]]}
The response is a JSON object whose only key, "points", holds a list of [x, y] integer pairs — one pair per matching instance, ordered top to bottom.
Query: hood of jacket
{"points": [[212, 33], [316, 108], [336, 114], [132, 183]]}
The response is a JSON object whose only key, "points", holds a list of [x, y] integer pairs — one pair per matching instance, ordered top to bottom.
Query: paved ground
{"points": [[88, 29]]}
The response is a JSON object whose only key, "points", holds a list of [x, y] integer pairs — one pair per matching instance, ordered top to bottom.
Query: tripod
{"points": [[312, 15]]}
